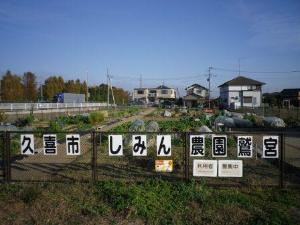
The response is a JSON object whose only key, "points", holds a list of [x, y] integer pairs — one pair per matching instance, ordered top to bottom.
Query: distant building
{"points": [[241, 92], [154, 95], [195, 95], [291, 97], [69, 98]]}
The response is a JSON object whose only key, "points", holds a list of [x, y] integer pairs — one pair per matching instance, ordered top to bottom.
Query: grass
{"points": [[130, 111], [96, 117], [181, 125], [151, 202]]}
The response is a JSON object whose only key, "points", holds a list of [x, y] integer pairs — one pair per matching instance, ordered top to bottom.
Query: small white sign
{"points": [[27, 144], [50, 144], [73, 144], [115, 145], [139, 145], [163, 145], [197, 145], [219, 145], [244, 146], [270, 146], [205, 168], [230, 168]]}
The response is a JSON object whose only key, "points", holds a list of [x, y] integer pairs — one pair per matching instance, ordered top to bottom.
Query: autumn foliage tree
{"points": [[52, 86], [30, 87], [12, 89], [17, 89], [99, 94]]}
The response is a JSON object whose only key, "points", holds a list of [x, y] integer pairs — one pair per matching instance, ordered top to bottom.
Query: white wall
{"points": [[198, 91], [170, 93], [234, 94]]}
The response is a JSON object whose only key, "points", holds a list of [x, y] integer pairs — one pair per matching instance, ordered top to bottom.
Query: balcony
{"points": [[152, 95]]}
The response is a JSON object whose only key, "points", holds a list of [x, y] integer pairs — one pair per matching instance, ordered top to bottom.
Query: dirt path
{"points": [[129, 119], [41, 167]]}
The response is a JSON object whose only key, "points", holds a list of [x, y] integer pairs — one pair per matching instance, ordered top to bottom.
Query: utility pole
{"points": [[239, 66], [107, 76], [209, 78], [141, 81], [87, 87], [41, 92], [112, 92]]}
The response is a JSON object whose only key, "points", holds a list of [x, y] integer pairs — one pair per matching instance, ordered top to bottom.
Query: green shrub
{"points": [[133, 110], [3, 117], [96, 117], [250, 118], [27, 121], [292, 122], [54, 126], [29, 194]]}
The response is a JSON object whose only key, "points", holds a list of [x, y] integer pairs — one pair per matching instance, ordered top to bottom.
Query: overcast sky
{"points": [[162, 40]]}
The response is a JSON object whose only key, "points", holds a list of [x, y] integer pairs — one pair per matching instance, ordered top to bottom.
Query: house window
{"points": [[252, 87], [198, 91], [140, 92], [164, 92], [247, 99]]}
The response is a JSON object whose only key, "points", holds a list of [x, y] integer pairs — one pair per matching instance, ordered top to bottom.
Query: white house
{"points": [[241, 92], [154, 95]]}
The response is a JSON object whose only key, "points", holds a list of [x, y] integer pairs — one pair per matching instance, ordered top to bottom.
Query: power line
{"points": [[245, 71], [156, 79]]}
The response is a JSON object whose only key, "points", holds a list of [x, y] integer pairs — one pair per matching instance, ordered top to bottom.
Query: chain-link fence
{"points": [[284, 113], [94, 160], [41, 167], [137, 168]]}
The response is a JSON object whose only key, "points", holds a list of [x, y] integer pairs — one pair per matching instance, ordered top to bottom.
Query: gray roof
{"points": [[240, 80], [196, 85], [159, 87], [163, 87], [291, 90], [192, 97]]}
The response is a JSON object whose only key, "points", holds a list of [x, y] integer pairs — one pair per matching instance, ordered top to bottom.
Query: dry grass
{"points": [[151, 202]]}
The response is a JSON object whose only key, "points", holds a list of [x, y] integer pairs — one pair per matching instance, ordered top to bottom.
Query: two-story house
{"points": [[241, 92], [154, 95], [195, 95]]}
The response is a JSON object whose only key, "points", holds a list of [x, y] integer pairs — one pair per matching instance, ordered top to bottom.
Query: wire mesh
{"points": [[95, 163], [291, 165], [60, 167], [138, 168], [256, 170]]}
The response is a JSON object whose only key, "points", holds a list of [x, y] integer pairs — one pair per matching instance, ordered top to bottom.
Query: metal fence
{"points": [[48, 106], [284, 113], [94, 162]]}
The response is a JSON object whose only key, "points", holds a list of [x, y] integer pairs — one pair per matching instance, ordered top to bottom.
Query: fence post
{"points": [[282, 153], [6, 156], [94, 156], [186, 157]]}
